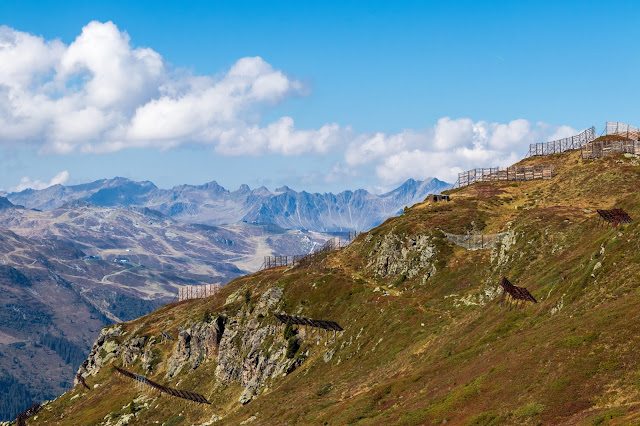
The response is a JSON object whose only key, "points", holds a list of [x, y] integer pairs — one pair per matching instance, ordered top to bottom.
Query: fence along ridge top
{"points": [[622, 129], [562, 145], [598, 149], [505, 174], [333, 243], [198, 291]]}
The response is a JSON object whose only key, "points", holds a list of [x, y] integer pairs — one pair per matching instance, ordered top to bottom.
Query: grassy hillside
{"points": [[426, 339]]}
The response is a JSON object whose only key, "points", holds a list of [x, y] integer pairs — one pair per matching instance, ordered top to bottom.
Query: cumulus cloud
{"points": [[100, 94], [451, 146], [26, 182]]}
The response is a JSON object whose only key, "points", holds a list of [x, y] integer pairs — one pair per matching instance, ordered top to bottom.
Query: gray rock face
{"points": [[213, 205], [396, 255], [199, 342], [104, 349], [248, 351], [261, 360]]}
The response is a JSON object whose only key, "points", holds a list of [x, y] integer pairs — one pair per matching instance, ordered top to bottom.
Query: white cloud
{"points": [[100, 94], [563, 132], [452, 133], [505, 136], [451, 146], [366, 148], [340, 173], [26, 182]]}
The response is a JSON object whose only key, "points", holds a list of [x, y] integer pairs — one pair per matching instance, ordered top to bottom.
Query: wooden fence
{"points": [[624, 130], [562, 145], [601, 148], [499, 174], [475, 241], [289, 260], [278, 261], [197, 291], [142, 381], [29, 412]]}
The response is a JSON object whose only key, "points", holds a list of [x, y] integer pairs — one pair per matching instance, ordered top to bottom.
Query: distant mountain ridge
{"points": [[6, 204], [212, 204]]}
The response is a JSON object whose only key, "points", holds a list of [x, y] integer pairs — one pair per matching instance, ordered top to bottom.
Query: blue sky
{"points": [[375, 91]]}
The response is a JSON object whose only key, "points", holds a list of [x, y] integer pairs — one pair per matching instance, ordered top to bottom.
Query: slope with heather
{"points": [[426, 339]]}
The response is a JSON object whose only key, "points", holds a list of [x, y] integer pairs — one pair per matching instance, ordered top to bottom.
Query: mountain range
{"points": [[212, 204]]}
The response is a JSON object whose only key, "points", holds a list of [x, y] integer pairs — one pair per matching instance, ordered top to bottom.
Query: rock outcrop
{"points": [[395, 255], [195, 344], [248, 346], [105, 348], [252, 352]]}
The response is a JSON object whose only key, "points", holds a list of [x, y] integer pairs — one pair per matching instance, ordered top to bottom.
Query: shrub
{"points": [[400, 280], [247, 296], [207, 316], [289, 331], [292, 347], [324, 390], [530, 410]]}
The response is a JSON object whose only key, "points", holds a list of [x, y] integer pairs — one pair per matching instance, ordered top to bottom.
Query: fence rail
{"points": [[624, 130], [562, 145], [601, 148], [499, 174], [475, 241], [289, 260], [278, 261], [197, 291], [143, 381], [29, 412]]}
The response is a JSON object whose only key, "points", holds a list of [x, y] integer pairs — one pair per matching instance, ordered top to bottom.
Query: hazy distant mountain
{"points": [[6, 204], [214, 205]]}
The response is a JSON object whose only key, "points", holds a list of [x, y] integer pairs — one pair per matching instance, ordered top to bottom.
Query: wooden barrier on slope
{"points": [[562, 145], [599, 149], [499, 174], [615, 217], [475, 241], [197, 291], [518, 294], [308, 322], [80, 380], [143, 381], [29, 412]]}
